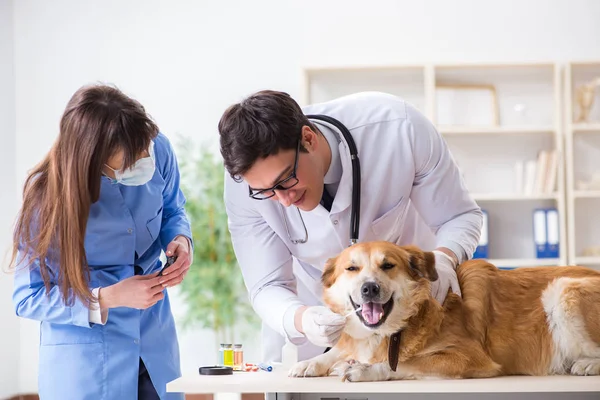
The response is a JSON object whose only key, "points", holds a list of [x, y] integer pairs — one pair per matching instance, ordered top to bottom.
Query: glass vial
{"points": [[221, 354], [228, 355], [238, 357]]}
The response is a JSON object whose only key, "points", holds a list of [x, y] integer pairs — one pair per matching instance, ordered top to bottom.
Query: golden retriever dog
{"points": [[526, 321]]}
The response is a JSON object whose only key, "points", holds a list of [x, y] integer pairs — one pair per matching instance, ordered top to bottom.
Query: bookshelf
{"points": [[408, 82], [503, 124], [492, 130], [582, 145], [524, 262]]}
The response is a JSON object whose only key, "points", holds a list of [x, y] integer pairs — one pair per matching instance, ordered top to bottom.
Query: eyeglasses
{"points": [[285, 184]]}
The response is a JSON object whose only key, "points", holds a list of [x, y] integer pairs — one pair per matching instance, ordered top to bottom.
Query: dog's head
{"points": [[385, 281]]}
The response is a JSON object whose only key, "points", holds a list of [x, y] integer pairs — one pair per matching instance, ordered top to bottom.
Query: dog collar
{"points": [[394, 350]]}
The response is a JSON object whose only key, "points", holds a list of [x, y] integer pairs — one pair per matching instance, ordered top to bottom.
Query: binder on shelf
{"points": [[539, 232], [552, 232], [546, 233], [482, 248]]}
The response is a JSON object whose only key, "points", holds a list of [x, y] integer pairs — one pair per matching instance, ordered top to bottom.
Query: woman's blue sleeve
{"points": [[174, 221], [31, 300]]}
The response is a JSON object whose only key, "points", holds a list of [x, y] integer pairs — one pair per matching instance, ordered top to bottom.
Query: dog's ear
{"points": [[422, 262], [328, 277]]}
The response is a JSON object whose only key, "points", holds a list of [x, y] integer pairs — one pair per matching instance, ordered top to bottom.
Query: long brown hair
{"points": [[99, 121]]}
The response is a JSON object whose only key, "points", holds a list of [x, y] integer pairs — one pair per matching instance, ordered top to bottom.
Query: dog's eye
{"points": [[387, 266], [352, 268]]}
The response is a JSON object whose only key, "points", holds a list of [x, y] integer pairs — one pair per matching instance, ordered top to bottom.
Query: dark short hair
{"points": [[259, 126]]}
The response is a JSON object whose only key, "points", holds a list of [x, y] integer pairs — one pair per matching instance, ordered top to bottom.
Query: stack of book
{"points": [[534, 177]]}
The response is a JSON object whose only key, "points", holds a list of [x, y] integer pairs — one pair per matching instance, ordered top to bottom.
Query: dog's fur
{"points": [[526, 321]]}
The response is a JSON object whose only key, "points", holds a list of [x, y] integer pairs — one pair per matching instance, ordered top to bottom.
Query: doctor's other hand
{"points": [[181, 248], [445, 267], [138, 291], [321, 326]]}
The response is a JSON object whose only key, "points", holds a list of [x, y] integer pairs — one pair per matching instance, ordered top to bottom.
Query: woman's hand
{"points": [[180, 247], [138, 291]]}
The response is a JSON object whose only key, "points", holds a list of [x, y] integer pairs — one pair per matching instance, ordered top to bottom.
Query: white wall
{"points": [[188, 60], [9, 335]]}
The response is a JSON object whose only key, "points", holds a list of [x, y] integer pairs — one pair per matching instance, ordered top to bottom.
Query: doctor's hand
{"points": [[181, 248], [446, 269], [138, 291], [321, 326]]}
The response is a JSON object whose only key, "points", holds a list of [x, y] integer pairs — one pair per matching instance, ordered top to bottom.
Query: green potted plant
{"points": [[213, 289]]}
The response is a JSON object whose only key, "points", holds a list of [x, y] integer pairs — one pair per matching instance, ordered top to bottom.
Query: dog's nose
{"points": [[370, 290]]}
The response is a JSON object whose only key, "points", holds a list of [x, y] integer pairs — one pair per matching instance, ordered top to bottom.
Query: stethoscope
{"points": [[355, 212]]}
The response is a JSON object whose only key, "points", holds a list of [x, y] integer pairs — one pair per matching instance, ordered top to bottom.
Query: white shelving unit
{"points": [[409, 82], [527, 100], [493, 130], [582, 144], [524, 262]]}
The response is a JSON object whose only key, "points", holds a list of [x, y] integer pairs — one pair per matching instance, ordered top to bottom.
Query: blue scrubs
{"points": [[126, 231]]}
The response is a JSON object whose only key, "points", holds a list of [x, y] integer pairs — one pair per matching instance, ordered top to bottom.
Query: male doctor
{"points": [[288, 193]]}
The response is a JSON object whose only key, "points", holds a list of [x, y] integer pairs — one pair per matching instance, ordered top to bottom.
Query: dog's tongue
{"points": [[372, 312]]}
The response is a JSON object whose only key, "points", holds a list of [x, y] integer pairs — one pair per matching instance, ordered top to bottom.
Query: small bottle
{"points": [[221, 354], [228, 355], [238, 357]]}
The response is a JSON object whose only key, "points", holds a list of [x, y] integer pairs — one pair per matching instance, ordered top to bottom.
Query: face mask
{"points": [[140, 173]]}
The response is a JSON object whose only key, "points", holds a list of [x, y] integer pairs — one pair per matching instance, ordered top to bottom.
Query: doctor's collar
{"points": [[334, 172]]}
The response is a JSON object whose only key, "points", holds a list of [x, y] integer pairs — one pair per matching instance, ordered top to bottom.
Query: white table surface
{"points": [[278, 381]]}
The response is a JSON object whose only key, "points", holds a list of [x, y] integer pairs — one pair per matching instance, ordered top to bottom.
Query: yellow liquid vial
{"points": [[228, 356]]}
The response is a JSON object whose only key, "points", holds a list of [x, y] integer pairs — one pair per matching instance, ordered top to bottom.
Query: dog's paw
{"points": [[586, 366], [340, 367], [307, 368], [359, 372]]}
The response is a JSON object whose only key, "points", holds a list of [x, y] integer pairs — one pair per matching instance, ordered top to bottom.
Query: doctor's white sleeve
{"points": [[439, 192], [266, 265]]}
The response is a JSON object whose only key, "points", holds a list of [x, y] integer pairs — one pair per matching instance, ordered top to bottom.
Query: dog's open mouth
{"points": [[373, 314]]}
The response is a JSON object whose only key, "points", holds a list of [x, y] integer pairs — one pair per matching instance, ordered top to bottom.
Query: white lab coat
{"points": [[412, 193]]}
